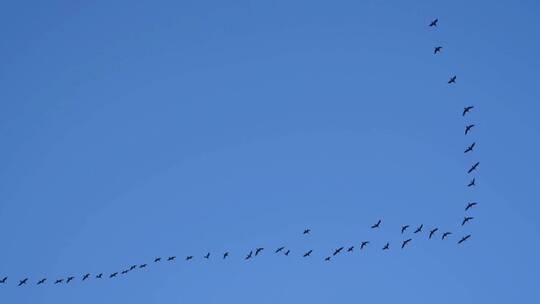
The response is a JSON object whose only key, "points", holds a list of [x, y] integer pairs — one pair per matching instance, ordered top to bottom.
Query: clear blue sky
{"points": [[135, 129]]}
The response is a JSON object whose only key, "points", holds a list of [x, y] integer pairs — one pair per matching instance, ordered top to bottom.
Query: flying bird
{"points": [[434, 23], [437, 49], [452, 80], [467, 110], [468, 128], [470, 148], [473, 167], [472, 183], [470, 205], [466, 219], [376, 225], [403, 228], [419, 229], [307, 231], [432, 232], [445, 235], [463, 239], [405, 243], [364, 244], [386, 247], [279, 249], [350, 249], [258, 250], [338, 250], [287, 252], [308, 253], [225, 255], [249, 255], [207, 256], [189, 257], [171, 258], [327, 258], [157, 260], [142, 266], [132, 267], [124, 271], [114, 274], [86, 276], [99, 276], [69, 279], [4, 280], [42, 281], [59, 281], [22, 282]]}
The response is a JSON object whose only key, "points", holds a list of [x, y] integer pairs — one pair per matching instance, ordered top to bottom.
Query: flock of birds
{"points": [[283, 250]]}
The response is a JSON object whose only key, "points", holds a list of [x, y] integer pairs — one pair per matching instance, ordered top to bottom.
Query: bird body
{"points": [[434, 23], [437, 49], [452, 80], [467, 110], [468, 128], [470, 148], [473, 167], [472, 183], [470, 205], [466, 219], [377, 225], [403, 228], [419, 229], [307, 231], [432, 232], [445, 235], [463, 239], [405, 243], [364, 244], [386, 247], [279, 249], [350, 249], [258, 250], [338, 250], [308, 253], [225, 255], [207, 256], [86, 276], [99, 276], [4, 280], [42, 281], [59, 281], [23, 282]]}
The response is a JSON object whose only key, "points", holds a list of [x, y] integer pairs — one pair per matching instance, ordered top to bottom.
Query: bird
{"points": [[434, 23], [437, 49], [452, 80], [467, 110], [468, 128], [470, 148], [473, 167], [472, 183], [470, 205], [466, 219], [376, 225], [403, 228], [419, 229], [307, 231], [432, 232], [445, 235], [463, 239], [405, 243], [364, 244], [386, 247], [279, 249], [350, 249], [258, 250], [338, 250], [287, 252], [308, 253], [225, 255], [249, 255], [207, 256], [189, 257], [171, 258], [327, 258], [157, 260], [142, 266], [132, 267], [124, 271], [114, 274], [86, 276], [99, 276], [69, 279], [3, 280], [42, 281], [59, 281], [22, 282]]}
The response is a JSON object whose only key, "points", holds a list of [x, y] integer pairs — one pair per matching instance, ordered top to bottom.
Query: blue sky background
{"points": [[130, 130]]}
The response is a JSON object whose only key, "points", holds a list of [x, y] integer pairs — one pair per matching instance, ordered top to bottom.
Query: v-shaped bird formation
{"points": [[327, 256]]}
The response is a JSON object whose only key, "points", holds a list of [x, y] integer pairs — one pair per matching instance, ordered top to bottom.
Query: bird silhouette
{"points": [[434, 23], [437, 49], [452, 80], [467, 110], [468, 128], [470, 148], [473, 167], [472, 183], [470, 205], [466, 219], [376, 225], [403, 228], [419, 229], [307, 231], [432, 232], [446, 234], [463, 239], [405, 243], [364, 244], [386, 247], [279, 249], [350, 249], [258, 250], [338, 250], [287, 252], [307, 253], [225, 255], [249, 255], [207, 256], [189, 257], [171, 258], [327, 258], [157, 260], [142, 266], [132, 267], [124, 271], [114, 274], [86, 276], [99, 276], [69, 279], [3, 280], [42, 281], [59, 281], [23, 282]]}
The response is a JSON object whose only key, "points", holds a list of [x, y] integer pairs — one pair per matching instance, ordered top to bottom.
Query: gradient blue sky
{"points": [[132, 129]]}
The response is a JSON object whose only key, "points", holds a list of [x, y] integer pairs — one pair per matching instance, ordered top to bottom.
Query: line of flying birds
{"points": [[285, 251]]}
